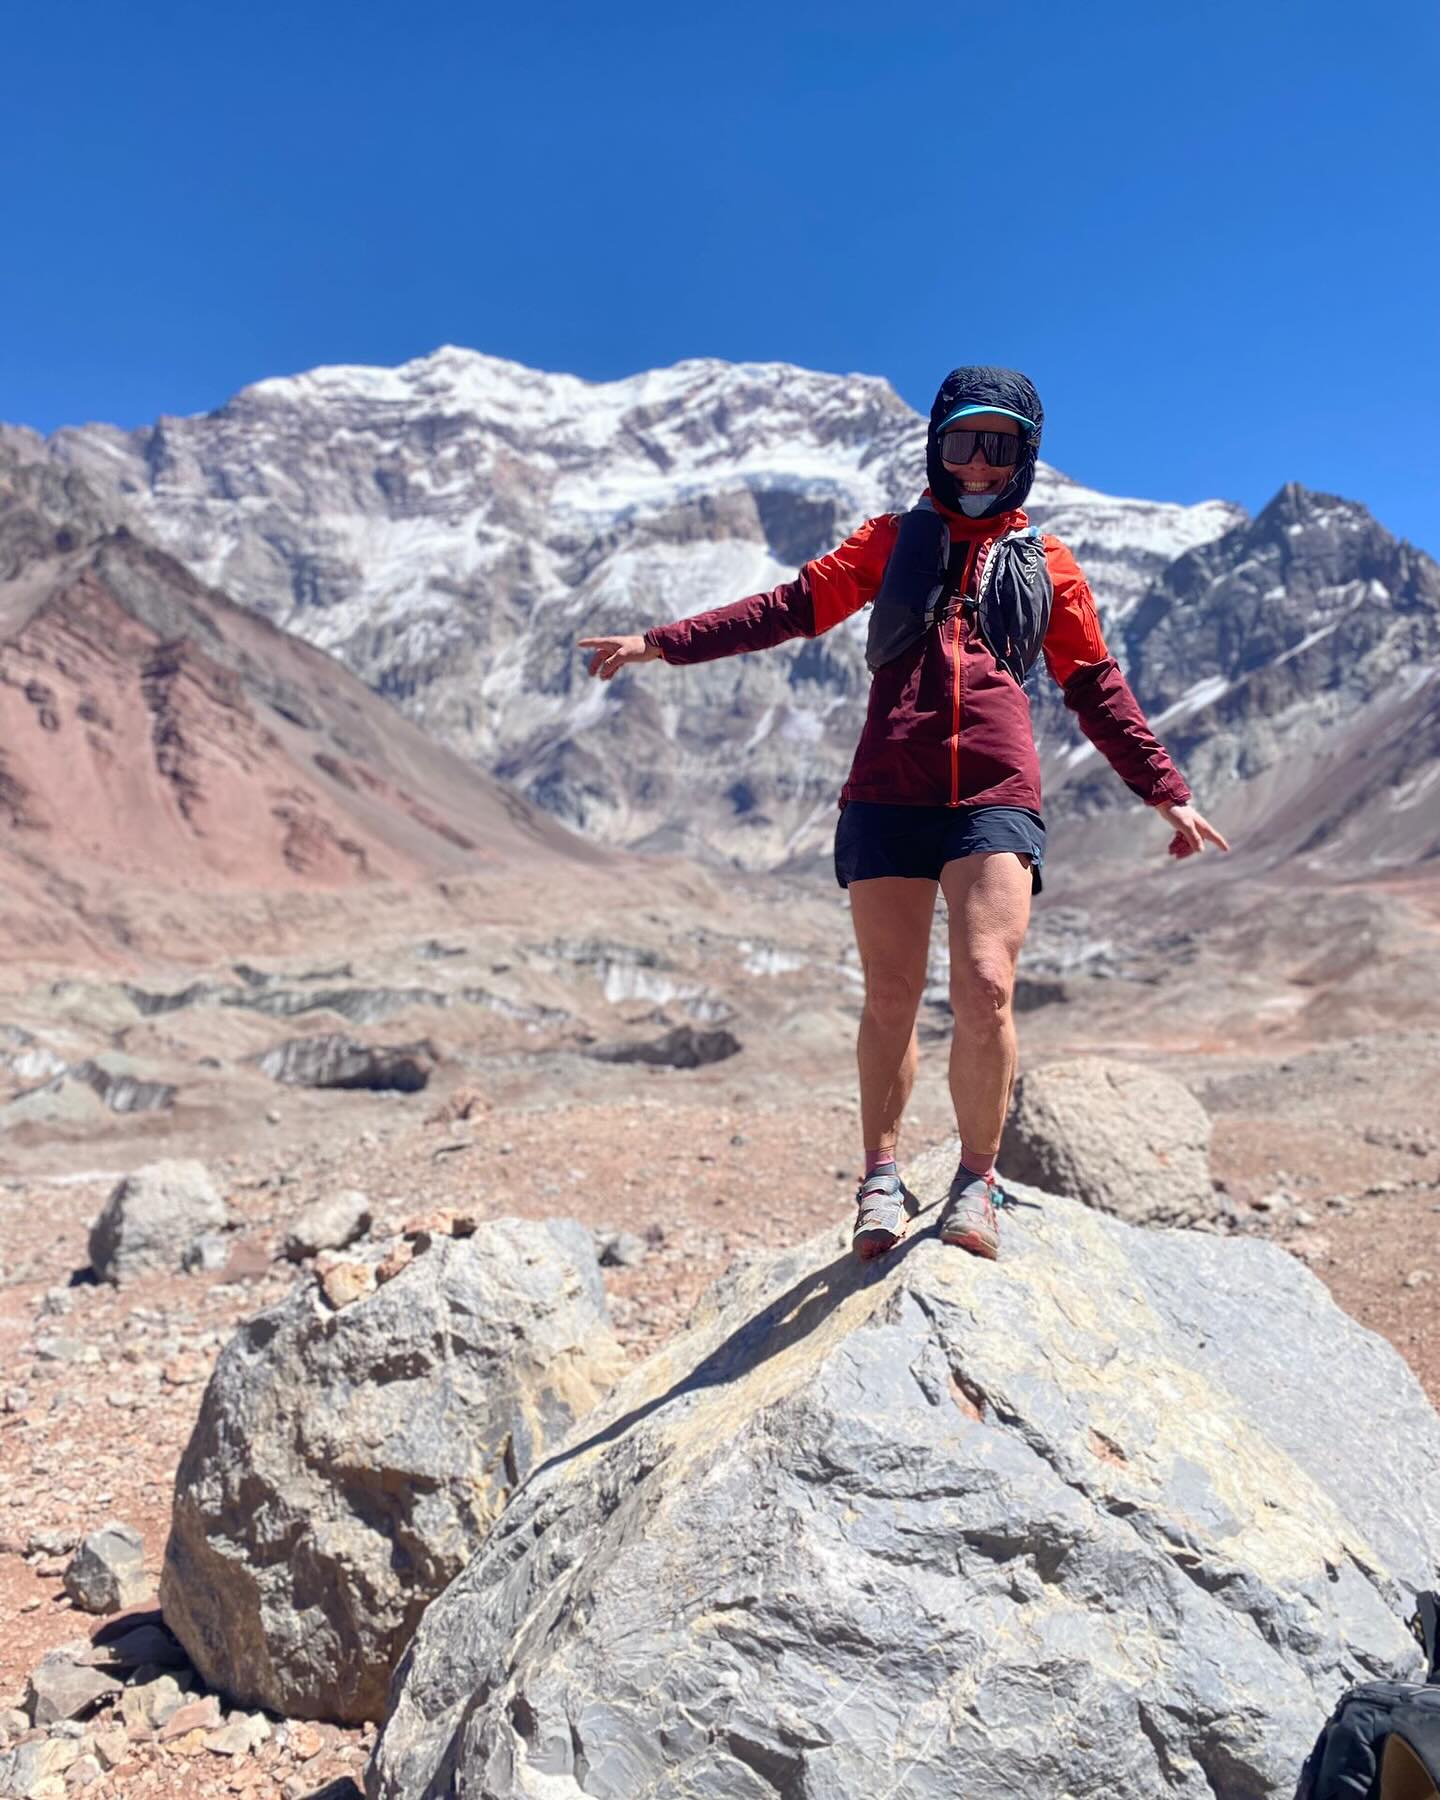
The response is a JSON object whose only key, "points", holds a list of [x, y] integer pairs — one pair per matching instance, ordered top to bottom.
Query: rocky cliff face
{"points": [[449, 528], [1291, 665]]}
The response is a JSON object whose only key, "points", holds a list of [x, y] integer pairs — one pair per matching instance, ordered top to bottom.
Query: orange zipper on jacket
{"points": [[955, 670]]}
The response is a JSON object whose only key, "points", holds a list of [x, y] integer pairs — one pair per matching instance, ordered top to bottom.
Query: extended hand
{"points": [[612, 654], [1191, 831]]}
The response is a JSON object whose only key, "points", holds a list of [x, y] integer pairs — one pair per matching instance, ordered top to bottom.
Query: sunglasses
{"points": [[1001, 449]]}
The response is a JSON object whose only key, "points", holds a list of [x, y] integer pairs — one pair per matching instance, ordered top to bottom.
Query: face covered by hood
{"points": [[990, 390]]}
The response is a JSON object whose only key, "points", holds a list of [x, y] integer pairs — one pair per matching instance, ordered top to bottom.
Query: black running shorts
{"points": [[917, 841]]}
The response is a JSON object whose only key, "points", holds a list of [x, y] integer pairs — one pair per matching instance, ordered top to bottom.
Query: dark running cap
{"points": [[1410, 1768]]}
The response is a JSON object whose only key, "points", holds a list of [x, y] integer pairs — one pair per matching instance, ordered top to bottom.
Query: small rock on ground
{"points": [[107, 1573]]}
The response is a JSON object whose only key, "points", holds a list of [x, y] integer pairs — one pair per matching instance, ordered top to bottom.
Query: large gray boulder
{"points": [[1125, 1139], [153, 1217], [347, 1462], [1119, 1514]]}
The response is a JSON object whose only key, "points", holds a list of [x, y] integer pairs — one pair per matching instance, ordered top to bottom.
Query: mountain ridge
{"points": [[449, 528], [154, 732]]}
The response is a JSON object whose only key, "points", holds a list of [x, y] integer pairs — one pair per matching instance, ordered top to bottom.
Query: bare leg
{"points": [[988, 898], [892, 917]]}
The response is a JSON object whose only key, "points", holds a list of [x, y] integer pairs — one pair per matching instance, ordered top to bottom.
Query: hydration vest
{"points": [[1011, 608]]}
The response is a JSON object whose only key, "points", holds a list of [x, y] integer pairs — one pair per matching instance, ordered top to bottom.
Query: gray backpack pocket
{"points": [[1016, 594]]}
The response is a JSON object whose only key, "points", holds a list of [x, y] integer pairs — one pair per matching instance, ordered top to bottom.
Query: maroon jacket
{"points": [[946, 725]]}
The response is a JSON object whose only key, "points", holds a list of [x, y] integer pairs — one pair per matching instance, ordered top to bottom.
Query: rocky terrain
{"points": [[386, 1023], [1317, 1073], [105, 1383]]}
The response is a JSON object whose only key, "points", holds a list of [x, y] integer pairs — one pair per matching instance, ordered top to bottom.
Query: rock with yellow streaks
{"points": [[346, 1464], [1120, 1513]]}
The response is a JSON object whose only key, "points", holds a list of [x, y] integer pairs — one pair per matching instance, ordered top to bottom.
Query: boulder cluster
{"points": [[1119, 1513]]}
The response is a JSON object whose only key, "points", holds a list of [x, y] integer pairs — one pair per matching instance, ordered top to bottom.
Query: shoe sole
{"points": [[973, 1242], [870, 1244]]}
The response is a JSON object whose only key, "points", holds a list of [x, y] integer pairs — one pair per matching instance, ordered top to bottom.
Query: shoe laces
{"points": [[1002, 1199], [998, 1200]]}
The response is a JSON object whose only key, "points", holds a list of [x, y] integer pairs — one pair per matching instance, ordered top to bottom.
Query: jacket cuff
{"points": [[653, 641], [1172, 791]]}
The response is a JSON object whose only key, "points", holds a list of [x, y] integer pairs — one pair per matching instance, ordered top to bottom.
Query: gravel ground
{"points": [[100, 1387]]}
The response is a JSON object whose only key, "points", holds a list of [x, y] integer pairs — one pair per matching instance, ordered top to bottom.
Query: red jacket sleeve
{"points": [[826, 591], [1097, 692]]}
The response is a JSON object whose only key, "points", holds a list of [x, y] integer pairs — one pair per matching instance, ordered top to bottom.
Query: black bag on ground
{"points": [[1410, 1761], [1345, 1763]]}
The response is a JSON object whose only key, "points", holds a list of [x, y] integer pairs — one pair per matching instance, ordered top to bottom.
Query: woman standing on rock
{"points": [[944, 791]]}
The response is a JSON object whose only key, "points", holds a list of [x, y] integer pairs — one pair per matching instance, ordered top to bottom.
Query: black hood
{"points": [[1005, 389]]}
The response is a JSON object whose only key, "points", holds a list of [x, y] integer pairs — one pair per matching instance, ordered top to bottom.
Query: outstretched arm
{"points": [[825, 591], [1098, 694]]}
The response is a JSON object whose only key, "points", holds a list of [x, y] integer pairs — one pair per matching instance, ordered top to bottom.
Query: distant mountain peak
{"points": [[1295, 504], [449, 527]]}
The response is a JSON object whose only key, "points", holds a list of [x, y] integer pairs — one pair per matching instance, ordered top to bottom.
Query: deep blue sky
{"points": [[1209, 232]]}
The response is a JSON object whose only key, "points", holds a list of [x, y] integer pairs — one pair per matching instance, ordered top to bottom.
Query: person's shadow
{"points": [[786, 1321]]}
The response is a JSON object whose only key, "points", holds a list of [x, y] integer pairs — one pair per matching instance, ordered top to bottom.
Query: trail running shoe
{"points": [[880, 1216], [969, 1220]]}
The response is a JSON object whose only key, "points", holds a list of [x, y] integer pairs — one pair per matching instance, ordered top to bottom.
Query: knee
{"points": [[981, 993], [891, 999]]}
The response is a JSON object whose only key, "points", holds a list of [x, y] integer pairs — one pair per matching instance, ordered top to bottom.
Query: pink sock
{"points": [[878, 1159], [975, 1164]]}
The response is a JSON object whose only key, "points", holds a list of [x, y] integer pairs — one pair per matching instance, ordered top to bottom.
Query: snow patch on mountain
{"points": [[450, 527], [1204, 693]]}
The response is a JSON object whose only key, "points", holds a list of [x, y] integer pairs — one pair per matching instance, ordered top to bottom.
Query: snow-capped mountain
{"points": [[450, 527], [1297, 658]]}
